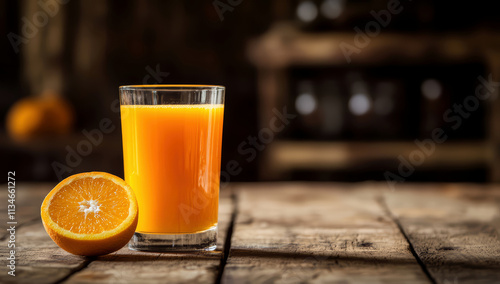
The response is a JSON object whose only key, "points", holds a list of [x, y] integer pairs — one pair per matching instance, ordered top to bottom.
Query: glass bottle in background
{"points": [[435, 101], [306, 105], [360, 106], [388, 108], [332, 109]]}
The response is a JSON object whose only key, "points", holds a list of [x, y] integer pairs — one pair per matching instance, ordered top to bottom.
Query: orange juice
{"points": [[172, 156]]}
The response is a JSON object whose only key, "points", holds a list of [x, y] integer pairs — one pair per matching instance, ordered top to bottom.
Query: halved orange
{"points": [[90, 214]]}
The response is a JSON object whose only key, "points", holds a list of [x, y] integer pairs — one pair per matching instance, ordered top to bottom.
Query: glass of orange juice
{"points": [[172, 136]]}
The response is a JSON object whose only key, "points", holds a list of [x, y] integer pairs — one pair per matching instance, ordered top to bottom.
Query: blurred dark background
{"points": [[367, 81]]}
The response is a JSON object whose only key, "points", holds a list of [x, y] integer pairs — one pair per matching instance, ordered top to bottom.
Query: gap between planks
{"points": [[394, 218], [23, 224], [316, 232], [229, 234], [225, 249], [77, 269]]}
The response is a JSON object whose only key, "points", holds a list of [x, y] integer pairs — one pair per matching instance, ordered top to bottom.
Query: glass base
{"points": [[202, 241]]}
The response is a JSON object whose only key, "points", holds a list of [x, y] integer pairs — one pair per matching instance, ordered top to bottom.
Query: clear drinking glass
{"points": [[172, 136]]}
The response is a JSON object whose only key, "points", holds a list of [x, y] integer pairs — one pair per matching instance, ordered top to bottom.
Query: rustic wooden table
{"points": [[295, 233]]}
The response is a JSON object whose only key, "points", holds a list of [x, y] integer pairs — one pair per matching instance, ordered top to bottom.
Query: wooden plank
{"points": [[29, 197], [454, 229], [294, 233], [40, 260], [127, 266]]}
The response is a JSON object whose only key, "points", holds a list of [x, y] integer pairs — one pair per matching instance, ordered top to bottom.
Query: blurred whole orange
{"points": [[42, 116]]}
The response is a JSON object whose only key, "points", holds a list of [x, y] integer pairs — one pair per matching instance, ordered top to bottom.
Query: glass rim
{"points": [[171, 87]]}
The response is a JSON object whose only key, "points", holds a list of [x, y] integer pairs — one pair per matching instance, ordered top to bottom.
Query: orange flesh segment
{"points": [[89, 206]]}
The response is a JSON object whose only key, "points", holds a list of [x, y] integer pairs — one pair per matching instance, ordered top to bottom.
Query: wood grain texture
{"points": [[29, 197], [455, 229], [297, 233], [307, 233], [40, 260], [126, 266]]}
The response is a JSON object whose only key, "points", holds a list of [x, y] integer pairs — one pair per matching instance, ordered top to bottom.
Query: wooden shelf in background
{"points": [[285, 46], [282, 157]]}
